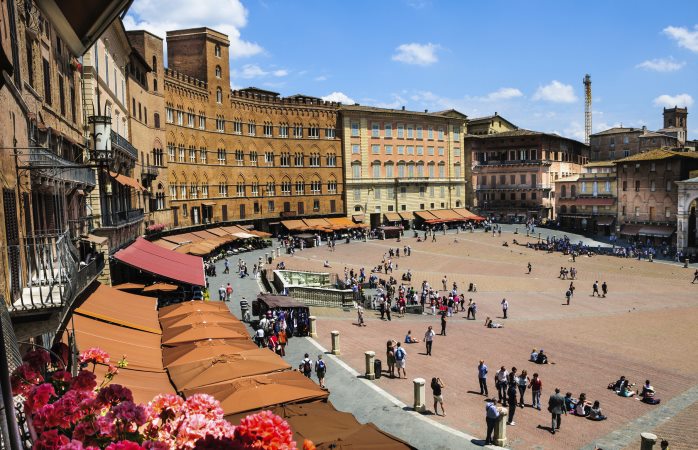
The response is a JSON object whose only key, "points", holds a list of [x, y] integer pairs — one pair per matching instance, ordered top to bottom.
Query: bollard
{"points": [[516, 230], [278, 251], [266, 257], [685, 263], [313, 326], [335, 342], [370, 361], [419, 394], [500, 430], [647, 441]]}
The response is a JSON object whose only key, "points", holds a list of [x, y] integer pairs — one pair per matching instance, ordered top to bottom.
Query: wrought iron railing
{"points": [[122, 143], [56, 167], [150, 170], [122, 218], [81, 227]]}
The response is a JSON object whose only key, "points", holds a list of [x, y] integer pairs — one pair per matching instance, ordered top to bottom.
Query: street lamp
{"points": [[100, 129]]}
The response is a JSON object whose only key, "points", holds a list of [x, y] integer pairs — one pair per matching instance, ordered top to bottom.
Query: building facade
{"points": [[676, 124], [482, 126], [247, 155], [401, 161], [514, 172], [648, 194], [586, 202]]}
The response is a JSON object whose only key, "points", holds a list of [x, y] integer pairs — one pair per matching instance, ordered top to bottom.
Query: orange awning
{"points": [[127, 181], [406, 215], [426, 215], [293, 225], [129, 286], [161, 287], [184, 308], [129, 310], [203, 317], [200, 332], [202, 350], [143, 385]]}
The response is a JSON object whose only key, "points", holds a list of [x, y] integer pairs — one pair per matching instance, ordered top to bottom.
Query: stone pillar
{"points": [[278, 251], [266, 258], [313, 326], [335, 342], [370, 359], [419, 395], [500, 430], [647, 441]]}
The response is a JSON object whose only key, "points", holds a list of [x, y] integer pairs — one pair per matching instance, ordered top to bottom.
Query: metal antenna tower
{"points": [[587, 108]]}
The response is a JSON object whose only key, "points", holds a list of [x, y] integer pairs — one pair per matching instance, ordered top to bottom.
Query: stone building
{"points": [[494, 124], [247, 155], [399, 161], [514, 171], [648, 195], [586, 202]]}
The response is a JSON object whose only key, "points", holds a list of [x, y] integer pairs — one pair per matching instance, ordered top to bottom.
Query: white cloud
{"points": [[160, 16], [684, 37], [418, 54], [661, 65], [254, 71], [280, 73], [320, 78], [555, 92], [504, 93], [337, 96], [670, 101], [396, 102], [575, 130]]}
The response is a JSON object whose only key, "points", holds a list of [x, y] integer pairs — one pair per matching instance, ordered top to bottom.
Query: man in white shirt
{"points": [[505, 307], [429, 338], [500, 381]]}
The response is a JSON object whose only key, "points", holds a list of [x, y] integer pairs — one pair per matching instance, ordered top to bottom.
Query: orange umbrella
{"points": [[129, 286], [161, 287], [182, 309], [202, 317], [200, 332], [203, 350], [244, 363]]}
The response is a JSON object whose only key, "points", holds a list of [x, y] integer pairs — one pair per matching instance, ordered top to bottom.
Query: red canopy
{"points": [[152, 258]]}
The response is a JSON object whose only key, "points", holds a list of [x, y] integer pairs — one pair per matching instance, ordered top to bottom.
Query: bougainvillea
{"points": [[76, 413]]}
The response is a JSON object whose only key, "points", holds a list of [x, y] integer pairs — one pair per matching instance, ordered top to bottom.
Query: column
{"points": [[313, 326], [335, 342], [370, 360], [419, 394], [500, 430], [647, 441]]}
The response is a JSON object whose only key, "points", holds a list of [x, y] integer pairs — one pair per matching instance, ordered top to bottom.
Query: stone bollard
{"points": [[516, 230], [278, 252], [266, 258], [685, 263], [313, 326], [335, 342], [370, 360], [419, 395], [500, 430], [647, 441]]}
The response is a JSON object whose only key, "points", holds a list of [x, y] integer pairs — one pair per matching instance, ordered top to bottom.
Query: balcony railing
{"points": [[121, 143], [516, 162], [53, 166], [150, 171], [513, 187], [122, 218], [81, 227], [51, 273]]}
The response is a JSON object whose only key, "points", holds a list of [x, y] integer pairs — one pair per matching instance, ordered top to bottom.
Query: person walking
{"points": [[529, 267], [695, 277], [595, 288], [604, 289], [228, 292], [568, 296], [505, 307], [443, 324], [429, 339], [390, 358], [400, 360], [306, 366], [320, 370], [482, 378], [523, 381], [500, 382], [536, 385], [437, 389], [511, 397], [556, 406], [491, 417]]}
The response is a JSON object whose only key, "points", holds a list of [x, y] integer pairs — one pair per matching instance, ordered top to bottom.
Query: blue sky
{"points": [[523, 59]]}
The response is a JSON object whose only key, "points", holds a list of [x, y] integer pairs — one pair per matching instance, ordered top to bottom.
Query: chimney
{"points": [[403, 108], [426, 110]]}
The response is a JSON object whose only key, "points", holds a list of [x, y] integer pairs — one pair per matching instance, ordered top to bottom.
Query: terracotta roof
{"points": [[374, 109], [616, 130], [520, 132], [657, 154], [600, 164]]}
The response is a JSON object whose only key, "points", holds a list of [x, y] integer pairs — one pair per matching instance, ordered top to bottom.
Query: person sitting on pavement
{"points": [[490, 324], [409, 339], [534, 355], [542, 358], [619, 384], [648, 394], [570, 402], [583, 407], [595, 412]]}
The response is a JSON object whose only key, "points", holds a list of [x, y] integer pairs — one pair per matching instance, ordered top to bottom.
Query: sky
{"points": [[524, 60]]}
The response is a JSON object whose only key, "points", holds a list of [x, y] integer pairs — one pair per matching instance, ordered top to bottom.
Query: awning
{"points": [[127, 181], [447, 214], [468, 214], [406, 215], [425, 215], [392, 217], [358, 218], [605, 220], [341, 222], [320, 223], [293, 225], [630, 229], [218, 231], [657, 231], [205, 234], [262, 234], [91, 238], [183, 238], [166, 244], [152, 258], [129, 286], [161, 287], [185, 308], [129, 310], [204, 317], [201, 332], [141, 349], [202, 350], [143, 385], [249, 394]]}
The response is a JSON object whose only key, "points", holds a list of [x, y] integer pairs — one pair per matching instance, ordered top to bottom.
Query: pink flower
{"points": [[95, 356], [37, 359], [61, 376], [24, 378], [84, 381], [114, 394], [39, 396], [204, 404], [128, 412], [265, 430], [50, 440], [212, 443], [72, 445], [124, 445], [154, 445]]}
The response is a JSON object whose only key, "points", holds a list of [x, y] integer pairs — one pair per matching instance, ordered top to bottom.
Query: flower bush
{"points": [[154, 228], [76, 413]]}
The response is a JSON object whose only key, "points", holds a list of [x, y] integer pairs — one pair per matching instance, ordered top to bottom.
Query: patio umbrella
{"points": [[129, 286], [161, 287], [184, 308], [202, 317], [200, 332], [202, 350], [221, 368], [262, 391]]}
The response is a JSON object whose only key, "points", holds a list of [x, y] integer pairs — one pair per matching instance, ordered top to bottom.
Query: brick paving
{"points": [[643, 329]]}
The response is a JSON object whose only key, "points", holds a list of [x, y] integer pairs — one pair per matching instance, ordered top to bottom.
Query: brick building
{"points": [[494, 124], [247, 155], [399, 161], [514, 171], [648, 195]]}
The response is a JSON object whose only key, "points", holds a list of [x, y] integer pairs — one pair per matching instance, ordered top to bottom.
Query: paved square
{"points": [[645, 328]]}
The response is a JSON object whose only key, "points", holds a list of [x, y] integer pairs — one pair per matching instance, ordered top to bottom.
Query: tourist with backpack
{"points": [[400, 360], [306, 366], [320, 370]]}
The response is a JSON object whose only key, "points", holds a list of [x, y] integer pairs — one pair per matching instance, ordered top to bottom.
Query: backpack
{"points": [[399, 354], [306, 366], [321, 366]]}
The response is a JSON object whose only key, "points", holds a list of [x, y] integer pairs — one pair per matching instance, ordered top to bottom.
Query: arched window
{"points": [[217, 50], [155, 64], [218, 71], [155, 85], [219, 95], [156, 118], [573, 190], [563, 191], [563, 209], [573, 209]]}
